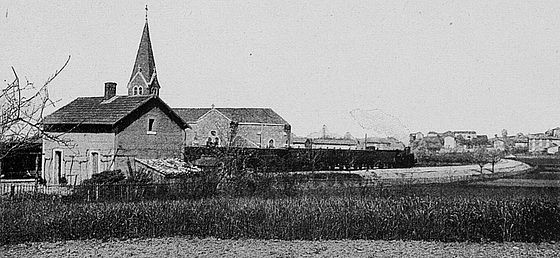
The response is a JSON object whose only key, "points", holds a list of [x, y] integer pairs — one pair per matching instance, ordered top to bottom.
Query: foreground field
{"points": [[454, 213], [187, 247]]}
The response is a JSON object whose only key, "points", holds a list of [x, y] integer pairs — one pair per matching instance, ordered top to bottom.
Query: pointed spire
{"points": [[144, 69]]}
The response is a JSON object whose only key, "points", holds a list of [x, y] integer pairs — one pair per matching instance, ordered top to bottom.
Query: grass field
{"points": [[451, 213]]}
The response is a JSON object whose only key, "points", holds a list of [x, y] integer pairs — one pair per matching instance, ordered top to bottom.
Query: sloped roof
{"points": [[90, 110], [94, 110], [191, 114], [241, 115], [299, 140], [390, 141], [349, 142], [169, 167]]}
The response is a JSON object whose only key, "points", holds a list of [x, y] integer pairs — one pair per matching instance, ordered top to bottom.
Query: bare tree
{"points": [[22, 108], [494, 156], [480, 157]]}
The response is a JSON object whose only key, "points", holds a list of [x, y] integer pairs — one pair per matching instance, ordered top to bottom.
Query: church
{"points": [[109, 132]]}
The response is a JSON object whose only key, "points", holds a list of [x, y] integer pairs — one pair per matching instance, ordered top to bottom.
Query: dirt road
{"points": [[186, 247]]}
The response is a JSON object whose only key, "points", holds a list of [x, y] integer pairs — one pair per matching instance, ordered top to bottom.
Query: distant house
{"points": [[240, 127], [467, 135], [416, 136], [450, 141], [300, 142], [348, 143], [379, 143], [540, 143], [341, 144], [553, 149]]}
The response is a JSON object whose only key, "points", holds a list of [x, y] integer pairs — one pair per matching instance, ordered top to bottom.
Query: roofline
{"points": [[218, 109], [205, 114], [254, 123], [183, 124]]}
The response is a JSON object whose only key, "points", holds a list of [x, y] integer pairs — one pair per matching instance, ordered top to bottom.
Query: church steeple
{"points": [[143, 80]]}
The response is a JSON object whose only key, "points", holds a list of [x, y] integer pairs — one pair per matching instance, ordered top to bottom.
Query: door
{"points": [[94, 162], [58, 165]]}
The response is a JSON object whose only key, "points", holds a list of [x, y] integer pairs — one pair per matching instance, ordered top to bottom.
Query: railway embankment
{"points": [[505, 167], [442, 174]]}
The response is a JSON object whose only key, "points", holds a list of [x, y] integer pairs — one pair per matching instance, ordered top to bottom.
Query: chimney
{"points": [[110, 90]]}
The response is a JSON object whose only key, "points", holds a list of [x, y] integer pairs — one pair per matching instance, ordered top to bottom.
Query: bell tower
{"points": [[143, 80]]}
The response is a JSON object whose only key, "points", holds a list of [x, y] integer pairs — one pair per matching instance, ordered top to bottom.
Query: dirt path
{"points": [[185, 247]]}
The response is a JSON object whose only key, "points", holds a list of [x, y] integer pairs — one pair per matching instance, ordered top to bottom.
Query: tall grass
{"points": [[442, 218]]}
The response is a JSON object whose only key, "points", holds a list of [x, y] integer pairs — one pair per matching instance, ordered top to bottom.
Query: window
{"points": [[137, 90], [151, 126], [213, 140], [271, 143], [94, 162]]}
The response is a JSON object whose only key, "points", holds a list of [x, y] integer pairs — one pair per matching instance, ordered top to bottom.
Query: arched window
{"points": [[140, 90], [135, 91], [213, 140], [271, 143]]}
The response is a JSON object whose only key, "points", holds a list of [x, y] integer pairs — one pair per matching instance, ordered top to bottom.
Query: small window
{"points": [[139, 90], [135, 91], [151, 128], [271, 143]]}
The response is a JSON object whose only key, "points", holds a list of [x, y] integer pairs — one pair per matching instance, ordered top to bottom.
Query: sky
{"points": [[385, 68]]}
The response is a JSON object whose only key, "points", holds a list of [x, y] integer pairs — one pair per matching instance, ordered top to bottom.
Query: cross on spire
{"points": [[146, 12]]}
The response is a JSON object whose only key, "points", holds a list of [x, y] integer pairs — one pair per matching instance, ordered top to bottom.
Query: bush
{"points": [[105, 177]]}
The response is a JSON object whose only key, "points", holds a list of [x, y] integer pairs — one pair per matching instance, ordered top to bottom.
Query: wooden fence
{"points": [[183, 190]]}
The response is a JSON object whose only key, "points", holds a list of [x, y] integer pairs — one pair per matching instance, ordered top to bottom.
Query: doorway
{"points": [[58, 165]]}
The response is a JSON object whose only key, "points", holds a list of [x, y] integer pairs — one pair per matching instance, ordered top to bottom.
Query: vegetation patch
{"points": [[441, 214]]}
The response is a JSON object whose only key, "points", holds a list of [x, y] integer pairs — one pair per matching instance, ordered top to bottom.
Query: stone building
{"points": [[237, 127], [93, 134], [448, 142], [378, 143]]}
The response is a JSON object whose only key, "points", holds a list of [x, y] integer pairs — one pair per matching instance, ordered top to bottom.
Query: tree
{"points": [[22, 108], [494, 155], [483, 156], [480, 157]]}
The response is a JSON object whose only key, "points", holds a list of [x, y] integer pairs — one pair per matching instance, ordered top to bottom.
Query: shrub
{"points": [[105, 177]]}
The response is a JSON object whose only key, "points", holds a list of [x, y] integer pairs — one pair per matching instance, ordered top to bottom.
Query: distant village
{"points": [[468, 141]]}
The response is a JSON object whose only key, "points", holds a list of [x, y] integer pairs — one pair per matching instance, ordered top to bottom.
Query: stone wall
{"points": [[212, 121], [261, 134], [135, 141], [77, 150]]}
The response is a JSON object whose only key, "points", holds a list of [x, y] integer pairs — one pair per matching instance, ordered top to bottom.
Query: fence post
{"points": [[12, 191], [96, 192]]}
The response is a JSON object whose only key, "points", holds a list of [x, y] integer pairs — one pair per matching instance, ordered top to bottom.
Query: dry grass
{"points": [[470, 215]]}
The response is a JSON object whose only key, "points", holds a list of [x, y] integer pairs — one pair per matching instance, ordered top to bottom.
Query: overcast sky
{"points": [[405, 66]]}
